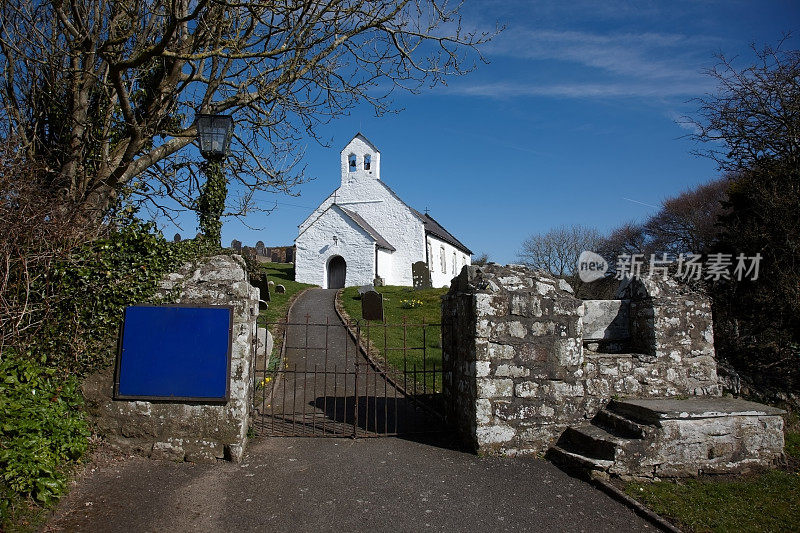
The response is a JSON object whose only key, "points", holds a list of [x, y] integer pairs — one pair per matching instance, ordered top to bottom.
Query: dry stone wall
{"points": [[517, 373], [189, 431]]}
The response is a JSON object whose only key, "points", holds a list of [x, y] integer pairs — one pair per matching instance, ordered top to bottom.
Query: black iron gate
{"points": [[366, 379]]}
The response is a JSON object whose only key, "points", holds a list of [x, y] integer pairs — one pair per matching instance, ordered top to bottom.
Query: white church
{"points": [[364, 232]]}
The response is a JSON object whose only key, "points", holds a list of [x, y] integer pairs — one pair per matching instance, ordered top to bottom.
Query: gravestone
{"points": [[177, 238], [236, 245], [261, 249], [420, 275], [365, 288], [280, 289], [372, 306]]}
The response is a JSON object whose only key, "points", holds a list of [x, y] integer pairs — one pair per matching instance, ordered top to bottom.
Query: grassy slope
{"points": [[281, 274], [392, 337], [760, 502]]}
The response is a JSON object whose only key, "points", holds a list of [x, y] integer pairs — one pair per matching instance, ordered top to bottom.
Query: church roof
{"points": [[363, 138], [436, 229], [379, 240]]}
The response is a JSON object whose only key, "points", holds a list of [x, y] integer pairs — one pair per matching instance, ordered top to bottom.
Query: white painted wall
{"points": [[390, 217], [315, 248], [438, 249], [385, 264]]}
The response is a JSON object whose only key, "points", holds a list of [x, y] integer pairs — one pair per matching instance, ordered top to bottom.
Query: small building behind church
{"points": [[363, 233]]}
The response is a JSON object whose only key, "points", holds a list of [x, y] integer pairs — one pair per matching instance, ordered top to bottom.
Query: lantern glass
{"points": [[214, 134]]}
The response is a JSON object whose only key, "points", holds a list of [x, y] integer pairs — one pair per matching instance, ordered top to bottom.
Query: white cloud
{"points": [[641, 55], [578, 90]]}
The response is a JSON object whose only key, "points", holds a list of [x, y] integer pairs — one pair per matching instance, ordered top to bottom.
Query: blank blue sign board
{"points": [[175, 353]]}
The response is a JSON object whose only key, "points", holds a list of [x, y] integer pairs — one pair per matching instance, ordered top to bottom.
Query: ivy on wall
{"points": [[211, 203]]}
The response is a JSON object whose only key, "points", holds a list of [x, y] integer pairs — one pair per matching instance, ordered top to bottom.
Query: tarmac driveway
{"points": [[324, 484]]}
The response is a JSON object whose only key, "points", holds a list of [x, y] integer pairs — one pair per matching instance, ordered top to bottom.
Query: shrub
{"points": [[42, 428]]}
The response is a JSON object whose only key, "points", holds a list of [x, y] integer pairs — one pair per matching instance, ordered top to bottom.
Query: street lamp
{"points": [[214, 134]]}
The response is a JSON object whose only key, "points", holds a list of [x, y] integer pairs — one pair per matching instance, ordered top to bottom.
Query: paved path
{"points": [[319, 390], [302, 484]]}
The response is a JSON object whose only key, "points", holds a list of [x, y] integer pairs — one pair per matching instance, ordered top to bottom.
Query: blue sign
{"points": [[175, 353]]}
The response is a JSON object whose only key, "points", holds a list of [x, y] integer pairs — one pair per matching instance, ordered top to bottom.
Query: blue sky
{"points": [[573, 121]]}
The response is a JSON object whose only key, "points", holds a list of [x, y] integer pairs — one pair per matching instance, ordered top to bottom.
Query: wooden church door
{"points": [[337, 268]]}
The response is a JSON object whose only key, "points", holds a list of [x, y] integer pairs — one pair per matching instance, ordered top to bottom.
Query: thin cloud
{"points": [[648, 55], [578, 90]]}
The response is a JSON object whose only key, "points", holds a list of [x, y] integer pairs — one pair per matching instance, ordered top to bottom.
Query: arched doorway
{"points": [[337, 269]]}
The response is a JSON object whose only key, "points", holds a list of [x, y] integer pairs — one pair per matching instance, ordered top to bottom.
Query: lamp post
{"points": [[214, 137]]}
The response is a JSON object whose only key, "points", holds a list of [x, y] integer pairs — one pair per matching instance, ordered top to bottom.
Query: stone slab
{"points": [[606, 320], [655, 409]]}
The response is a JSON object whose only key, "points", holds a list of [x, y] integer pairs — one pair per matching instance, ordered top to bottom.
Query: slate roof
{"points": [[436, 229], [379, 240]]}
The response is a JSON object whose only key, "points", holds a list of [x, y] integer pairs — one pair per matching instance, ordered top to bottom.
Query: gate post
{"points": [[513, 355]]}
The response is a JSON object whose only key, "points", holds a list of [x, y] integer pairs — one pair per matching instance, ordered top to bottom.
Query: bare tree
{"points": [[107, 92], [753, 115], [751, 127], [688, 223], [628, 238], [557, 250], [481, 259]]}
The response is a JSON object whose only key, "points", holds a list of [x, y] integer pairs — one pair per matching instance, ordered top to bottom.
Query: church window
{"points": [[352, 159], [367, 161], [430, 257], [443, 259], [454, 263]]}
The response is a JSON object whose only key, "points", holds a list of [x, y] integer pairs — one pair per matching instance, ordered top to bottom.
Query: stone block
{"points": [[511, 371], [494, 388], [526, 389], [494, 434]]}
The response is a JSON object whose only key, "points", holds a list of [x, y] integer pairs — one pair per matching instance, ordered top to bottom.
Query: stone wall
{"points": [[673, 324], [517, 373], [189, 431]]}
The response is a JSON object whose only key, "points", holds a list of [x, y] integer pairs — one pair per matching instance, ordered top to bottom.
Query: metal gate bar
{"points": [[326, 385]]}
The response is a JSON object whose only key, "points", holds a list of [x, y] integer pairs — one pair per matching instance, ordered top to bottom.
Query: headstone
{"points": [[177, 237], [236, 245], [261, 249], [289, 254], [420, 275], [270, 283], [365, 288], [280, 289], [372, 306]]}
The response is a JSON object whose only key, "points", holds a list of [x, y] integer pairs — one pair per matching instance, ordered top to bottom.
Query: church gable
{"points": [[360, 161]]}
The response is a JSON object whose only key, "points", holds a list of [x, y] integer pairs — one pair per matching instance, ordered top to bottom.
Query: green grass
{"points": [[281, 274], [276, 312], [387, 342], [768, 501], [765, 502]]}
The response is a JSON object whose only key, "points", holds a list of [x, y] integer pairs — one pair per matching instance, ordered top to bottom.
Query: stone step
{"points": [[652, 411], [619, 425], [590, 441], [575, 463]]}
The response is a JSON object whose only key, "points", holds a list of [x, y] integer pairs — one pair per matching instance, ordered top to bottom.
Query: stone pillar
{"points": [[512, 357], [190, 431]]}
